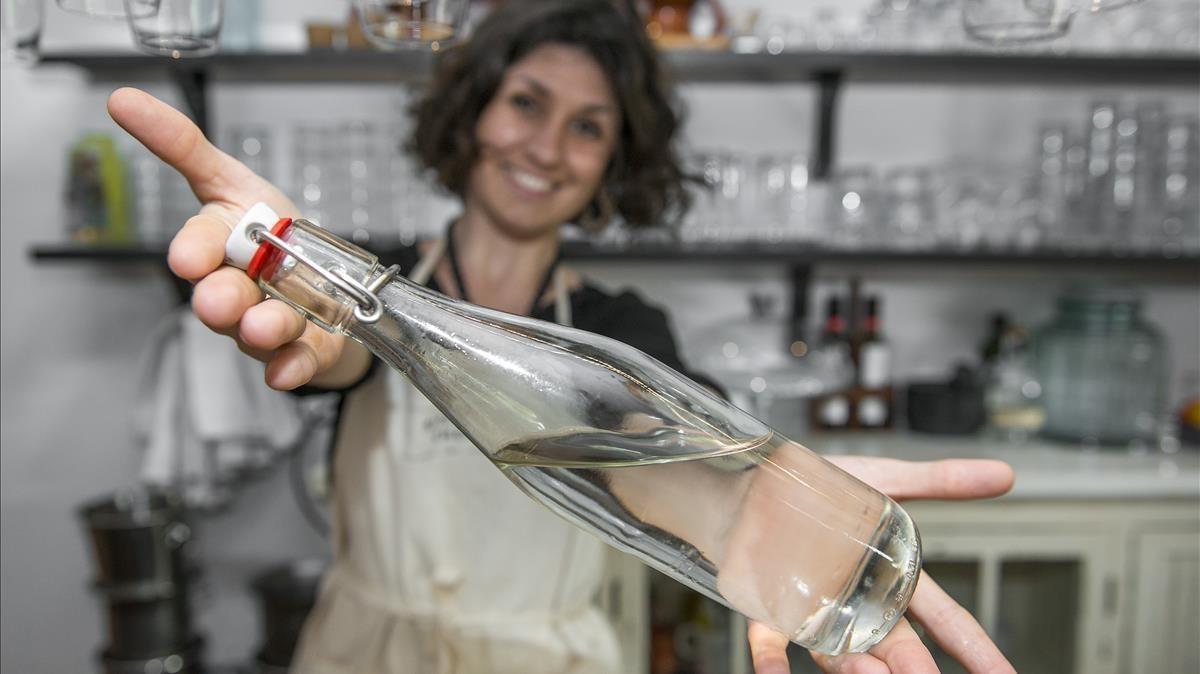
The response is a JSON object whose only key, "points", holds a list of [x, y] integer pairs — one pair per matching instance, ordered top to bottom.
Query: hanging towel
{"points": [[206, 417]]}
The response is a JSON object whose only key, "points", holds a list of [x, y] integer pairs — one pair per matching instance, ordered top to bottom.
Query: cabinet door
{"points": [[1047, 598], [625, 599], [1165, 602]]}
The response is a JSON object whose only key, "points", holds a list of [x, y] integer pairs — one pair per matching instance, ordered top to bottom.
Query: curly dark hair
{"points": [[644, 182]]}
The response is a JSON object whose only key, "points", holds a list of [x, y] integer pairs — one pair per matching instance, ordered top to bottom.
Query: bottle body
{"points": [[641, 456]]}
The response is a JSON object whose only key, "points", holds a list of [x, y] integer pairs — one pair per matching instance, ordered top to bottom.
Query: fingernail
{"points": [[293, 373]]}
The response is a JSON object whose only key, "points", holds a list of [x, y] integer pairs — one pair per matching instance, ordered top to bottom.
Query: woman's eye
{"points": [[523, 102], [589, 128]]}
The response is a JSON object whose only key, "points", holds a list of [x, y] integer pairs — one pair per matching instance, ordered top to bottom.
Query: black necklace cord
{"points": [[452, 253]]}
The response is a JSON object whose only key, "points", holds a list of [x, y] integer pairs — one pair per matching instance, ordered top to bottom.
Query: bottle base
{"points": [[879, 594]]}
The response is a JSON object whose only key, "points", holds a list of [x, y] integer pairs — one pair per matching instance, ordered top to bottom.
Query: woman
{"points": [[553, 112]]}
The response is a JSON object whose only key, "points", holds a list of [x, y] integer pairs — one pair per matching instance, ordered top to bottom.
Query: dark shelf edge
{"points": [[689, 66], [97, 253], [789, 254]]}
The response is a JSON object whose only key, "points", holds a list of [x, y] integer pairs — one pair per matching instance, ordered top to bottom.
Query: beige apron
{"points": [[441, 565]]}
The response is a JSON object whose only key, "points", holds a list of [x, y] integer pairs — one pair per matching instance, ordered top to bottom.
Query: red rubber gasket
{"points": [[267, 254]]}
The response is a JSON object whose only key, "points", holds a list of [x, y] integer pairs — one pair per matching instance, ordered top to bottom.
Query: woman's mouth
{"points": [[529, 183]]}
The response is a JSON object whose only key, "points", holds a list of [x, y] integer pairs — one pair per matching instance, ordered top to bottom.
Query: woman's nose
{"points": [[546, 143]]}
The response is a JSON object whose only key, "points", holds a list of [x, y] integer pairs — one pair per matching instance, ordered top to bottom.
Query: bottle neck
{"points": [[329, 280], [835, 328], [871, 328]]}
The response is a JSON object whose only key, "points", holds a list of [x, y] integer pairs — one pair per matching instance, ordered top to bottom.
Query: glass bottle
{"points": [[1102, 368], [1013, 393], [873, 396], [831, 411], [619, 444]]}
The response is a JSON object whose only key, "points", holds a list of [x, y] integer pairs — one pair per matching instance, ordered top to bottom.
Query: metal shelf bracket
{"points": [[193, 85]]}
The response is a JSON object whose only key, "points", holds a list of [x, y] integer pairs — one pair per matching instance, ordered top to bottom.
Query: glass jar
{"points": [[1102, 368]]}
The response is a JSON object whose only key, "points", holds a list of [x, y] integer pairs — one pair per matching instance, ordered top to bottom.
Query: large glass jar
{"points": [[1102, 368]]}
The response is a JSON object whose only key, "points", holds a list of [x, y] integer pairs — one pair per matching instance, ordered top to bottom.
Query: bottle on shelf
{"points": [[1012, 393], [873, 397], [831, 410], [618, 444]]}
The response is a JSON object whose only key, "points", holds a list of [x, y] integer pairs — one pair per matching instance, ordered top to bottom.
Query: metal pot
{"points": [[138, 537], [145, 623], [181, 661]]}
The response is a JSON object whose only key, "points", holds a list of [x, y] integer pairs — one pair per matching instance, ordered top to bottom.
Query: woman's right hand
{"points": [[295, 350]]}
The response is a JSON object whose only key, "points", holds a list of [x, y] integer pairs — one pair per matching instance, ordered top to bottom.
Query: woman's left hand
{"points": [[950, 625]]}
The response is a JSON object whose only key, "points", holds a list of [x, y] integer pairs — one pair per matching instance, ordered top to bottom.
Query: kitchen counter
{"points": [[1044, 470]]}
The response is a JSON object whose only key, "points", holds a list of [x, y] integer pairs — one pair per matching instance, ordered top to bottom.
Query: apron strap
{"points": [[424, 270], [562, 298]]}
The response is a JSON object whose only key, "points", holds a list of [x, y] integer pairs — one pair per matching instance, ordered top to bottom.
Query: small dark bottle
{"points": [[873, 397], [833, 410]]}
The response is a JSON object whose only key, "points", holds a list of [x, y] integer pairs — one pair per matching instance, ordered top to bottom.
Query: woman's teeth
{"points": [[530, 181]]}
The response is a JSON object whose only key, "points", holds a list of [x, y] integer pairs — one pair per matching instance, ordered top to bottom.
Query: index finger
{"points": [[169, 134], [945, 479]]}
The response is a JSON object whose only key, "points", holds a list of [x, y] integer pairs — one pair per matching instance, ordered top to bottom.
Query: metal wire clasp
{"points": [[369, 307]]}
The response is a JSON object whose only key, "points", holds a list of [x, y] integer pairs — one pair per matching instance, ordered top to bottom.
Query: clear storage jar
{"points": [[1102, 368]]}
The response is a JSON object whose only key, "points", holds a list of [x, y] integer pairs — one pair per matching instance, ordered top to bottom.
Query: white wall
{"points": [[72, 333]]}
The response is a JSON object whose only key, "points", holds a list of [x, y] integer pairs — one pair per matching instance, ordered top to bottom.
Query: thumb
{"points": [[176, 140]]}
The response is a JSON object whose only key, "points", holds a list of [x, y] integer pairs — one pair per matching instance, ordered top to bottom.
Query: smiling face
{"points": [[545, 140]]}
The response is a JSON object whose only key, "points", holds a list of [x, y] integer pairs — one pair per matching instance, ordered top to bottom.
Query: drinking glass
{"points": [[1108, 5], [109, 9], [1000, 22], [409, 24], [905, 25], [22, 28], [175, 28], [362, 141], [251, 145], [309, 171], [1148, 172], [146, 177], [1052, 180], [1180, 187], [1098, 189], [410, 193], [909, 198], [731, 204], [854, 207], [967, 207], [1117, 210], [767, 212], [710, 219], [799, 227]]}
